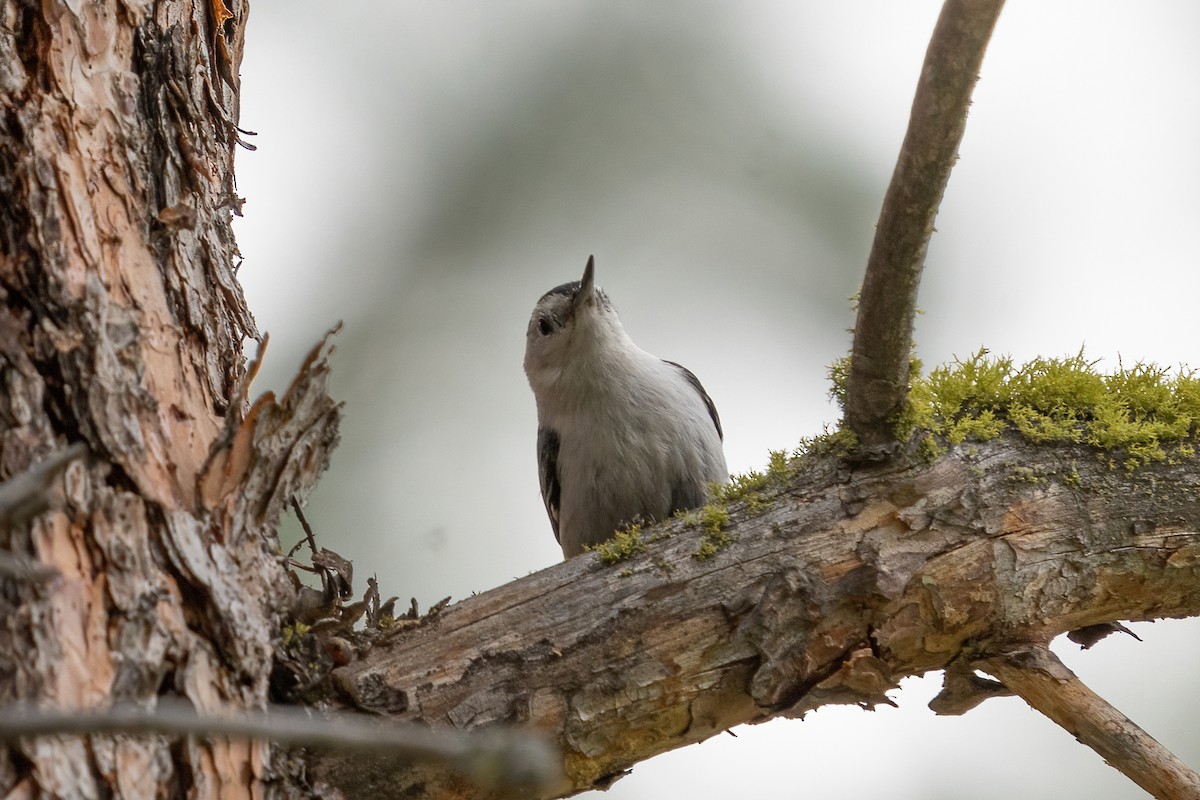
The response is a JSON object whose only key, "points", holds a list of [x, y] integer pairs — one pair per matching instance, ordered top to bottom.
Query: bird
{"points": [[624, 437]]}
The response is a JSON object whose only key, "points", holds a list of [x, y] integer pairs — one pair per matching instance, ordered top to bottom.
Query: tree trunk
{"points": [[121, 327], [827, 588]]}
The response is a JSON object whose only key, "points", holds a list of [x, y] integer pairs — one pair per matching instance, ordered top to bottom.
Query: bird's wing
{"points": [[695, 382], [547, 447]]}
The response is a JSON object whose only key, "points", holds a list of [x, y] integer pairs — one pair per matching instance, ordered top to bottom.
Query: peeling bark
{"points": [[121, 327], [157, 570], [838, 585]]}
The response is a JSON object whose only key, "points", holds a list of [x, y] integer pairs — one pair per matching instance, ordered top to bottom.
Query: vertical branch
{"points": [[878, 380], [1049, 686]]}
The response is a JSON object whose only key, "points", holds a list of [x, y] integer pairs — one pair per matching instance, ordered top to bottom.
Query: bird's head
{"points": [[571, 325]]}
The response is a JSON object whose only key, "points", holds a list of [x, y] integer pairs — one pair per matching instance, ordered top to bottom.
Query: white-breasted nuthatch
{"points": [[623, 436]]}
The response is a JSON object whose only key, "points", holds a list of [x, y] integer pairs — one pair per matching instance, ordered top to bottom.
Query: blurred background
{"points": [[426, 170]]}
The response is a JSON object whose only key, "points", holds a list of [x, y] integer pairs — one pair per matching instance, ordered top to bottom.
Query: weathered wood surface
{"points": [[121, 330], [837, 586], [1049, 686]]}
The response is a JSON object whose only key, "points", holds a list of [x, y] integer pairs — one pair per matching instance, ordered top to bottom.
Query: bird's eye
{"points": [[544, 326]]}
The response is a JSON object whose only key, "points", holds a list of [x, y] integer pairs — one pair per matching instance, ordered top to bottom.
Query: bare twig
{"points": [[879, 364], [24, 496], [308, 531], [25, 569], [1048, 685], [498, 759]]}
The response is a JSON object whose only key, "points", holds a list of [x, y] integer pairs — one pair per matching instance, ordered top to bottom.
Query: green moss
{"points": [[839, 376], [1133, 412], [1137, 415], [980, 428], [834, 442], [929, 448], [778, 465], [1033, 477], [1072, 478], [739, 487], [749, 487], [687, 517], [713, 518], [713, 521], [622, 546], [294, 633]]}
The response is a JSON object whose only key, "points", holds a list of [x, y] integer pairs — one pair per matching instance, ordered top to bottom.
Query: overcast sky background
{"points": [[426, 170]]}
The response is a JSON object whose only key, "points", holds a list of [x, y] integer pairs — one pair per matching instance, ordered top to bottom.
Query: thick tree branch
{"points": [[879, 364], [826, 590], [1048, 685]]}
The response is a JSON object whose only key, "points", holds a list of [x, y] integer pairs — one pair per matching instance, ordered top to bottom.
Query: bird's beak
{"points": [[587, 286]]}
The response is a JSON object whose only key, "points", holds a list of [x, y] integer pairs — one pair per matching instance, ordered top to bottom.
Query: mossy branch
{"points": [[879, 368], [1133, 416], [828, 585]]}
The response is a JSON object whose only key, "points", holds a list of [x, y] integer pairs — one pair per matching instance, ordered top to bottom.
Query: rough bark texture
{"points": [[121, 327], [156, 571], [837, 585]]}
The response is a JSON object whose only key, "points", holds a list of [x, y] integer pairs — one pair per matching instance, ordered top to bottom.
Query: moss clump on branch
{"points": [[1146, 412], [1138, 415], [750, 485], [751, 489], [712, 518], [713, 521], [623, 545]]}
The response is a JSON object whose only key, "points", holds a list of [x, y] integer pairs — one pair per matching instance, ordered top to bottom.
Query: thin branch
{"points": [[879, 364], [24, 496], [308, 531], [26, 570], [1048, 685], [498, 759]]}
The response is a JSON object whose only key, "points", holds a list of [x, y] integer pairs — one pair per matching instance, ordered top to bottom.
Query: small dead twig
{"points": [[24, 496], [309, 536], [25, 570], [336, 573], [1038, 677], [499, 759]]}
